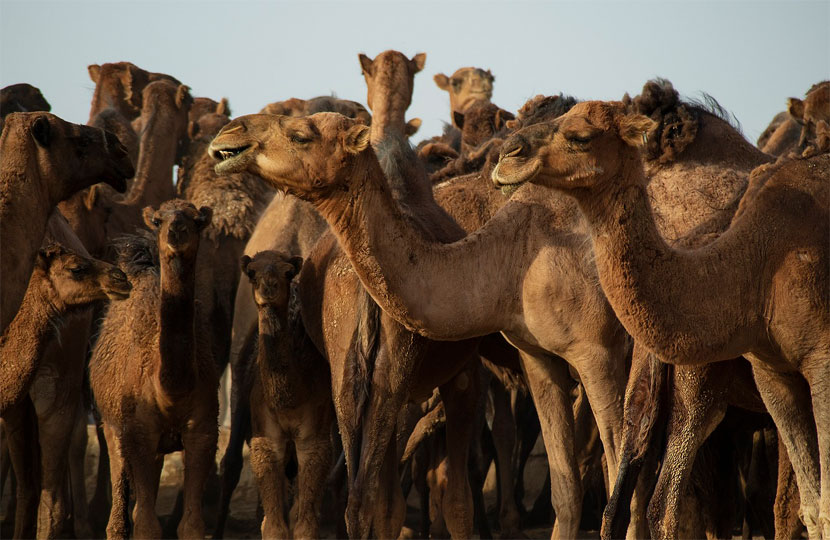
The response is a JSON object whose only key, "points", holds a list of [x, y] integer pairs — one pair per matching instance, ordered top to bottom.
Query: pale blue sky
{"points": [[750, 56]]}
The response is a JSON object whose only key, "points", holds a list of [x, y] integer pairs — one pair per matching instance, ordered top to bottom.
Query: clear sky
{"points": [[750, 56]]}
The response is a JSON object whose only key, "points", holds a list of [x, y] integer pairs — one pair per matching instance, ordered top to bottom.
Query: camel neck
{"points": [[388, 117], [153, 182], [428, 286], [685, 305], [177, 324], [24, 342], [279, 356]]}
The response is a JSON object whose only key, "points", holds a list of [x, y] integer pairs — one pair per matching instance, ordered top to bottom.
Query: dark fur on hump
{"points": [[542, 109], [678, 120], [136, 253]]}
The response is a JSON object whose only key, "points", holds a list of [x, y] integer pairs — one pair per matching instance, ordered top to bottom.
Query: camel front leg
{"points": [[817, 373], [549, 383], [787, 398], [21, 430], [55, 434], [504, 441], [199, 454], [314, 461], [144, 465], [118, 525]]}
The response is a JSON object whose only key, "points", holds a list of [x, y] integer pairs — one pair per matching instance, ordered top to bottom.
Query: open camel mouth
{"points": [[231, 158]]}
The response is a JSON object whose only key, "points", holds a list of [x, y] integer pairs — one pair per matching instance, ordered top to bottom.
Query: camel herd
{"points": [[647, 290]]}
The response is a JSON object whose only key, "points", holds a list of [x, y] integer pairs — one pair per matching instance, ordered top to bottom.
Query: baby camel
{"points": [[760, 289], [153, 376], [290, 399]]}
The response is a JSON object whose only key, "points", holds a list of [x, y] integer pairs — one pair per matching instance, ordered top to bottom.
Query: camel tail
{"points": [[645, 409]]}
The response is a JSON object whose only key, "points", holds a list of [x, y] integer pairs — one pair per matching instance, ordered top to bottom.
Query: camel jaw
{"points": [[231, 158], [116, 294]]}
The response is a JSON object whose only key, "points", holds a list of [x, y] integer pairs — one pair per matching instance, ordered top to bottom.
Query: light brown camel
{"points": [[465, 86], [306, 107], [45, 160], [98, 215], [766, 275], [46, 347], [385, 360], [165, 399], [290, 401]]}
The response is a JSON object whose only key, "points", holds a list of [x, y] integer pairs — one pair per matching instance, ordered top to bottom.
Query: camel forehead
{"points": [[466, 73], [598, 113], [174, 206], [270, 264]]}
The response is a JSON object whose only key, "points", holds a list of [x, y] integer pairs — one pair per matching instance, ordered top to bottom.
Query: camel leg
{"points": [[817, 374], [549, 383], [461, 397], [787, 398], [695, 412], [21, 430], [55, 432], [504, 441], [268, 453], [314, 454], [199, 459], [144, 465], [419, 467], [77, 476], [101, 502], [390, 507], [787, 523], [118, 524]]}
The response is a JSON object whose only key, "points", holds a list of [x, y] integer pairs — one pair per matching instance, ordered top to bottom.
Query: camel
{"points": [[466, 85], [21, 98], [792, 130], [45, 160], [98, 215], [781, 234], [43, 350], [166, 399], [290, 400]]}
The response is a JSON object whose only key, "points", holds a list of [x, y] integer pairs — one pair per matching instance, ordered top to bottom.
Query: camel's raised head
{"points": [[391, 73], [120, 85], [465, 86], [22, 98], [202, 106], [810, 112], [480, 122], [581, 149], [309, 156], [70, 157], [178, 226], [270, 274], [74, 280]]}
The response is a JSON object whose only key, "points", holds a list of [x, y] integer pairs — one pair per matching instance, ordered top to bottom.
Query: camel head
{"points": [[392, 75], [119, 85], [465, 86], [22, 98], [171, 101], [202, 106], [810, 112], [480, 122], [583, 148], [310, 156], [69, 157], [178, 226], [270, 273], [73, 280]]}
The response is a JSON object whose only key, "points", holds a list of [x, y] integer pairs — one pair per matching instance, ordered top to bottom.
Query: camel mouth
{"points": [[231, 158], [512, 172], [120, 292]]}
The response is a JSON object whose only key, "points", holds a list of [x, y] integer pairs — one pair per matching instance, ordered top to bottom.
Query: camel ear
{"points": [[418, 61], [365, 63], [94, 72], [491, 76], [442, 81], [182, 95], [223, 107], [796, 108], [502, 117], [458, 119], [511, 124], [412, 127], [192, 129], [634, 129], [41, 131], [357, 139], [92, 196], [205, 214], [150, 219], [46, 254], [244, 261], [297, 263]]}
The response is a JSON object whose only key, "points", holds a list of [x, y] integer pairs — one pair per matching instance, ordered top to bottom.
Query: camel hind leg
{"points": [[817, 373]]}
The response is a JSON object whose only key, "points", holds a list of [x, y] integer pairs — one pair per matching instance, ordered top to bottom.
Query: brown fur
{"points": [[466, 85], [21, 98], [305, 107], [45, 160], [786, 341], [152, 373], [290, 400]]}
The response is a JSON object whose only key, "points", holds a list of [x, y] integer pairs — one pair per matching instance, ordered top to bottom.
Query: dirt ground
{"points": [[243, 521]]}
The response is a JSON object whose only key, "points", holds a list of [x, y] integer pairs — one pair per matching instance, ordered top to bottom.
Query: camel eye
{"points": [[578, 138], [299, 139], [156, 222], [78, 271]]}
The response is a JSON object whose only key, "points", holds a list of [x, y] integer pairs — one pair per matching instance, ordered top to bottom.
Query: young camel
{"points": [[45, 160], [63, 284], [759, 289], [165, 400], [290, 400]]}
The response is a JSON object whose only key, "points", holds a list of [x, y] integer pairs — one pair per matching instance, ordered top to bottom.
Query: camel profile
{"points": [[45, 160], [758, 290], [152, 374], [290, 400]]}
